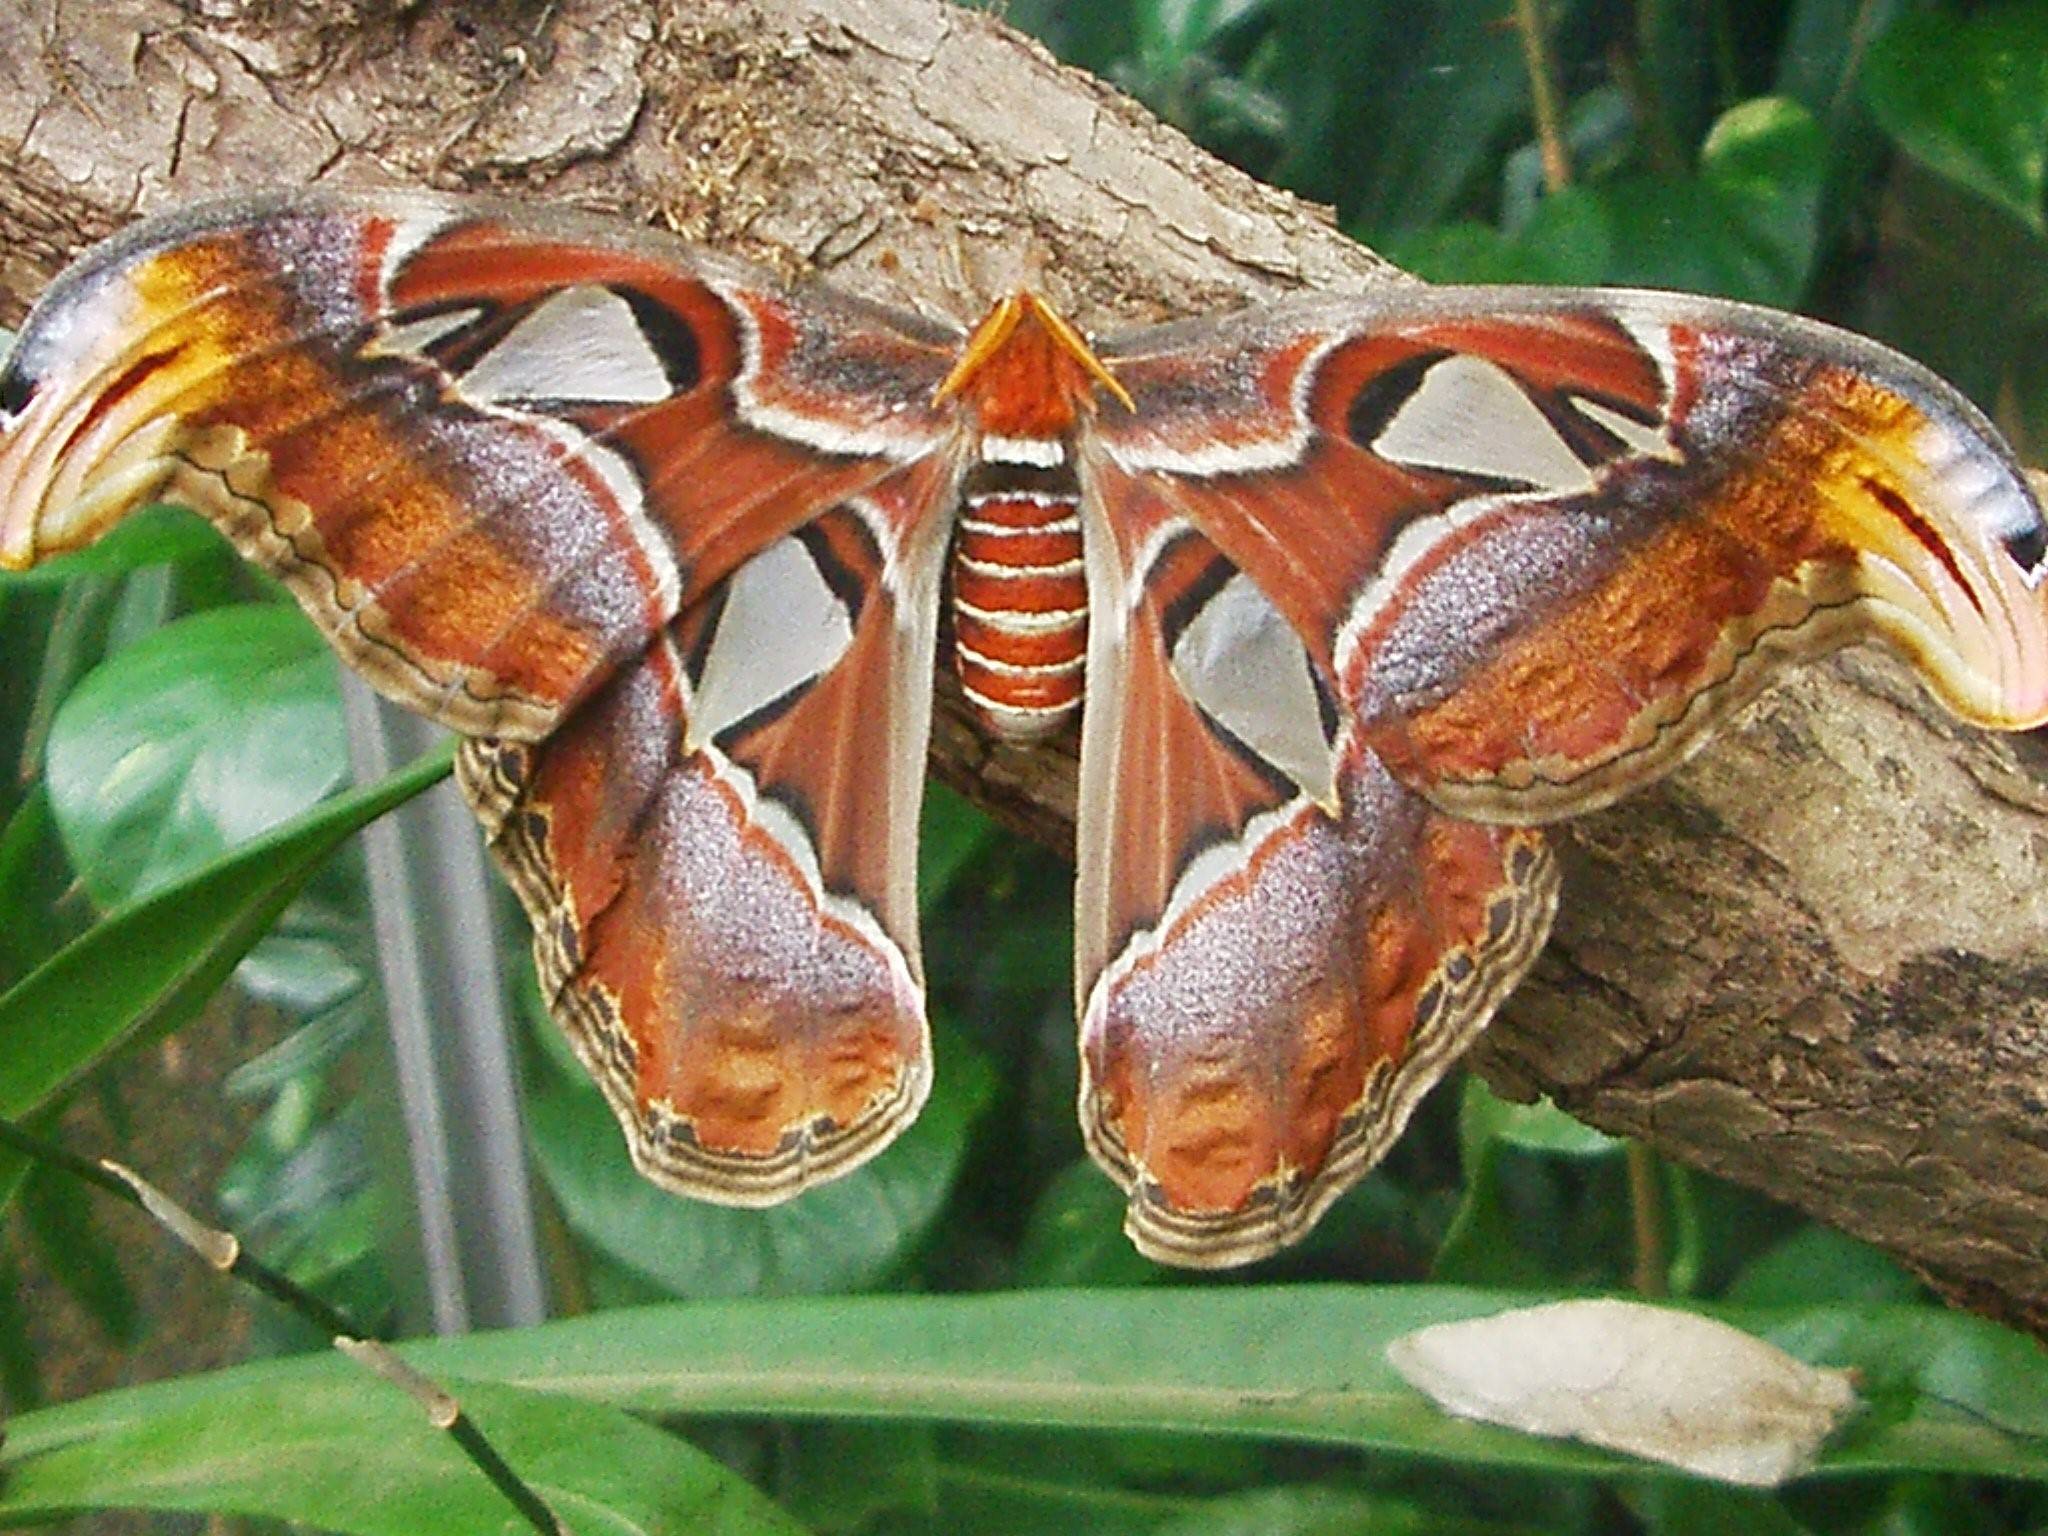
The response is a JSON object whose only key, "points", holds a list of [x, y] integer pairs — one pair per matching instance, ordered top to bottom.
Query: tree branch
{"points": [[1808, 962]]}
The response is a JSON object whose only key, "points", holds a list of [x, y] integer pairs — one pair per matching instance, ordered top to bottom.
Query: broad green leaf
{"points": [[1826, 45], [1967, 96], [1393, 110], [1747, 226], [158, 535], [200, 736], [954, 830], [35, 920], [145, 969], [1540, 1127], [58, 1210], [850, 1233], [1076, 1235], [1484, 1244], [1817, 1263], [21, 1378], [1946, 1392], [328, 1445], [845, 1478], [988, 1498], [1702, 1509], [1325, 1511]]}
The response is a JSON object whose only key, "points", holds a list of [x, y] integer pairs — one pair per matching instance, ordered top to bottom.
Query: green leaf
{"points": [[1825, 45], [1967, 96], [1393, 111], [1746, 226], [158, 535], [200, 736], [953, 833], [34, 878], [145, 969], [1540, 1127], [57, 1209], [850, 1233], [1076, 1235], [1484, 1244], [1817, 1263], [1946, 1392], [316, 1441], [858, 1477], [993, 1497], [1698, 1509], [1324, 1511]]}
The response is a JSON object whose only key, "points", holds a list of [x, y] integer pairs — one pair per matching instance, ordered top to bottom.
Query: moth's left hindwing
{"points": [[666, 545], [1397, 575]]}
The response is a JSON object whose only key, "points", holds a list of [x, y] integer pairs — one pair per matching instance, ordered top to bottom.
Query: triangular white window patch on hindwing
{"points": [[584, 343], [1470, 417], [781, 627], [1242, 664]]}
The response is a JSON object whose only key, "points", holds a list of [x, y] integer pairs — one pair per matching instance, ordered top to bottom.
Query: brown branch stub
{"points": [[1810, 961]]}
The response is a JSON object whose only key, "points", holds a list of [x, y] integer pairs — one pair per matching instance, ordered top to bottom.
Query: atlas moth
{"points": [[1351, 595]]}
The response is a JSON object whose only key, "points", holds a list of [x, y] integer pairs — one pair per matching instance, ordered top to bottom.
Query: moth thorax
{"points": [[1020, 596]]}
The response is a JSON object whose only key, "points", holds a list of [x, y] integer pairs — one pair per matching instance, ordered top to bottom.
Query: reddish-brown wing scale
{"points": [[509, 470], [1529, 546], [1360, 589]]}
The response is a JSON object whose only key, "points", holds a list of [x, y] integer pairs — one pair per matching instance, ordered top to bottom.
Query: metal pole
{"points": [[430, 903]]}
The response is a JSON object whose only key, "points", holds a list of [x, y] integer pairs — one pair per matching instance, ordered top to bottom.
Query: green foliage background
{"points": [[1876, 162]]}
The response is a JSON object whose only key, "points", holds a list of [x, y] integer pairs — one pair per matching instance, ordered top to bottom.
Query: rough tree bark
{"points": [[1807, 962]]}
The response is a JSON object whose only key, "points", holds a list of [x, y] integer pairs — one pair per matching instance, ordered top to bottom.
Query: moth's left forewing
{"points": [[1544, 539]]}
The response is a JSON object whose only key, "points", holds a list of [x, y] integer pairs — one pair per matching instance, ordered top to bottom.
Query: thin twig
{"points": [[1557, 160], [1646, 1212], [223, 1251], [445, 1413]]}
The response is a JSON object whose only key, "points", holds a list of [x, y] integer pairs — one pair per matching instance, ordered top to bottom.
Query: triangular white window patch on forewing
{"points": [[414, 337], [584, 343], [1468, 416], [1647, 441], [780, 628], [1241, 662]]}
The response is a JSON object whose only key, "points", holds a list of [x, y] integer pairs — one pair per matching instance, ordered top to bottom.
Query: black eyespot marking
{"points": [[670, 338], [16, 388], [2029, 547]]}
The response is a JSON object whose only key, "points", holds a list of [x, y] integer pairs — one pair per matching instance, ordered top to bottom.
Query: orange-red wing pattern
{"points": [[491, 458], [1540, 541], [668, 545], [1351, 593], [718, 858], [1279, 947]]}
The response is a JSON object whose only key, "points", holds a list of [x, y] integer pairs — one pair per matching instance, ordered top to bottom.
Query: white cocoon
{"points": [[1651, 1381]]}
